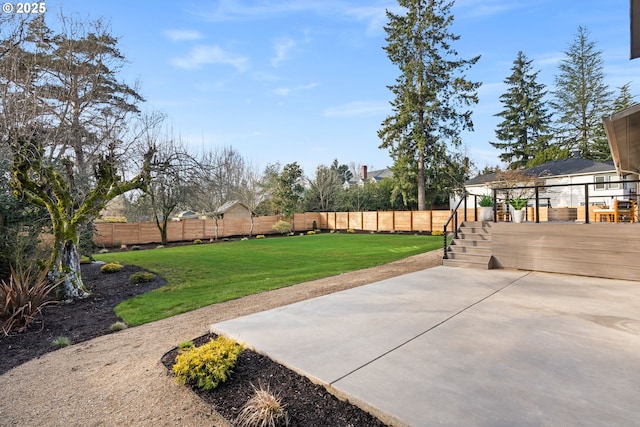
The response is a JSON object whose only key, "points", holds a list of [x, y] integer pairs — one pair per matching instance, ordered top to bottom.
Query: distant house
{"points": [[574, 170], [368, 176], [233, 209]]}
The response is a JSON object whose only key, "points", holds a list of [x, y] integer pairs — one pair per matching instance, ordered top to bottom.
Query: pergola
{"points": [[623, 133]]}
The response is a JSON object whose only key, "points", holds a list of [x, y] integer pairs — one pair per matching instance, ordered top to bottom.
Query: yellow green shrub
{"points": [[437, 232], [112, 267], [141, 277], [208, 365]]}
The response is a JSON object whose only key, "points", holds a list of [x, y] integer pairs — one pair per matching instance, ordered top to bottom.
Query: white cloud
{"points": [[182, 35], [282, 47], [201, 55], [286, 91], [358, 109]]}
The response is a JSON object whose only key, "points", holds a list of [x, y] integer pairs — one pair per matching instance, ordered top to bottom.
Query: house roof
{"points": [[563, 167], [376, 175], [228, 205]]}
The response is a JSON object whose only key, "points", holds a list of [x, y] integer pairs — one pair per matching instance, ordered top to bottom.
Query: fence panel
{"points": [[342, 220], [385, 221], [403, 221], [421, 221], [115, 234]]}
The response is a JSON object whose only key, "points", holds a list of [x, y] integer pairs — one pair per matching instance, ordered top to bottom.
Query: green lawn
{"points": [[200, 275]]}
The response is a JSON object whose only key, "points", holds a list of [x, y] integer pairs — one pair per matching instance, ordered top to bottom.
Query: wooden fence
{"points": [[116, 234]]}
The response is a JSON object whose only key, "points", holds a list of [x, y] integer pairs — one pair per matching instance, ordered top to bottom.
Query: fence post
{"points": [[586, 203]]}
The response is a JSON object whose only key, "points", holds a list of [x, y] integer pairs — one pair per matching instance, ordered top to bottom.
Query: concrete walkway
{"points": [[449, 346]]}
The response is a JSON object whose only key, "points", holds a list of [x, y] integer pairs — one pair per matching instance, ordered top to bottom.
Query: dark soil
{"points": [[79, 320], [307, 404]]}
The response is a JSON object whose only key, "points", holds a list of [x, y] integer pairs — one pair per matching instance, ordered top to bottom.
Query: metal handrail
{"points": [[537, 188], [453, 215]]}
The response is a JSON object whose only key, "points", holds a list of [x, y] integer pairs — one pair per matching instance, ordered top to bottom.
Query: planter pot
{"points": [[486, 213], [518, 216]]}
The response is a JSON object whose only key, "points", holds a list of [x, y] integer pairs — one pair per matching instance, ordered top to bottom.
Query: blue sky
{"points": [[297, 80]]}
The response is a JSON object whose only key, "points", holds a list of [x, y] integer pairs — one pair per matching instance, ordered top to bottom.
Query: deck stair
{"points": [[472, 247]]}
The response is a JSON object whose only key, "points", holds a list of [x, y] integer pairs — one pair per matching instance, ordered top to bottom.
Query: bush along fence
{"points": [[116, 234]]}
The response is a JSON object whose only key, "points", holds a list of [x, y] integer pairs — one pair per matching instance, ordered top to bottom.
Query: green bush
{"points": [[282, 227], [351, 231], [437, 232], [310, 233], [260, 236], [197, 242], [112, 267], [141, 277], [22, 298], [118, 326], [61, 342], [185, 345], [208, 365]]}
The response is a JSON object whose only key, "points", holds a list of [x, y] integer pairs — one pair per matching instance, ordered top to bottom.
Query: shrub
{"points": [[282, 227], [351, 231], [437, 232], [310, 233], [260, 236], [197, 242], [135, 248], [112, 267], [141, 277], [23, 298], [118, 326], [61, 342], [185, 345], [208, 365], [263, 409]]}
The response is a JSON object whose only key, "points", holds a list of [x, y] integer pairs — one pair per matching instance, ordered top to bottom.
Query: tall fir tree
{"points": [[432, 94], [582, 98], [524, 130]]}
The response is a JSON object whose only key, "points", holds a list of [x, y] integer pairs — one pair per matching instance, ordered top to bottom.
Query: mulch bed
{"points": [[79, 320], [307, 404]]}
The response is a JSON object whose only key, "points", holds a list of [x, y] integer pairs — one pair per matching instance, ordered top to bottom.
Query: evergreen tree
{"points": [[429, 93], [582, 98], [624, 99], [523, 131]]}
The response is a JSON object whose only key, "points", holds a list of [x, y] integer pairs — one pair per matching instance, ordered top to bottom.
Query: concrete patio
{"points": [[449, 346]]}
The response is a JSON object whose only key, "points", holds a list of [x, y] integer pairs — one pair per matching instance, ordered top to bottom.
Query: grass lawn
{"points": [[200, 275]]}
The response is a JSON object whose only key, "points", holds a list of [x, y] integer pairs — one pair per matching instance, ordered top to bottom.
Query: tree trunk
{"points": [[422, 206], [67, 270]]}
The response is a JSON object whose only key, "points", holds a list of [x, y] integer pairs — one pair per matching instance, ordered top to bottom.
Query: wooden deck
{"points": [[598, 249]]}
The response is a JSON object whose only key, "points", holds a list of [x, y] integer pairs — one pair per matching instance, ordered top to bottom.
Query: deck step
{"points": [[472, 246]]}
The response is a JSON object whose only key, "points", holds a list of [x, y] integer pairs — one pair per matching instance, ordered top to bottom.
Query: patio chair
{"points": [[624, 211], [502, 214]]}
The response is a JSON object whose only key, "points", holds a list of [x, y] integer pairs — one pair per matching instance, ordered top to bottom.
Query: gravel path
{"points": [[118, 379]]}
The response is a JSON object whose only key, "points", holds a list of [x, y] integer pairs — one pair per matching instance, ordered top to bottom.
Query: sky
{"points": [[306, 81]]}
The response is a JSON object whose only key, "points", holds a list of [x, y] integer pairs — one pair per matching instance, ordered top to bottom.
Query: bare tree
{"points": [[69, 124], [175, 173], [219, 181], [251, 191]]}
